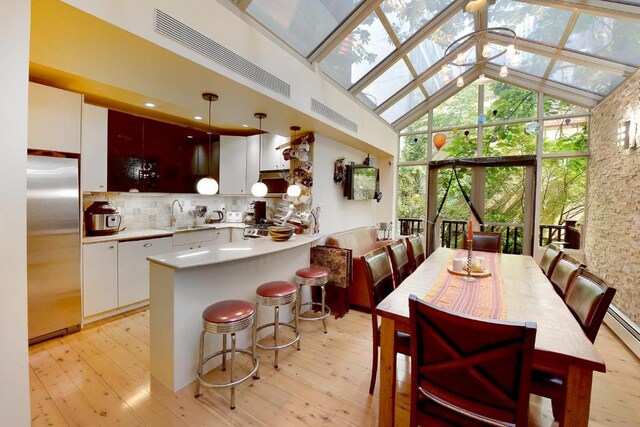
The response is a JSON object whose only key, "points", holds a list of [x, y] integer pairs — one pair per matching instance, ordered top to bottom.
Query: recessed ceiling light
{"points": [[149, 104], [197, 117], [244, 126], [189, 136]]}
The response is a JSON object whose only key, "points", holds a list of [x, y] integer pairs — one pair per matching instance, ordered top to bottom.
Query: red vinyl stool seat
{"points": [[314, 276], [274, 294], [227, 317]]}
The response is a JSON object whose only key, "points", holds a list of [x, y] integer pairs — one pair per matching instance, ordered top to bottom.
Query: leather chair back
{"points": [[485, 241], [415, 251], [549, 259], [399, 261], [565, 270], [379, 276], [588, 299], [465, 369]]}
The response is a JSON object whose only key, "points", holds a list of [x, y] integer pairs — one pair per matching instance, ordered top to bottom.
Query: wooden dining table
{"points": [[561, 346]]}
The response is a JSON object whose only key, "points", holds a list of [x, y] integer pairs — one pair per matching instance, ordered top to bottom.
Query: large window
{"points": [[497, 120]]}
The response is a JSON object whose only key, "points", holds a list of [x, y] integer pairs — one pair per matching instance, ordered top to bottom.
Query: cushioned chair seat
{"points": [[313, 272], [276, 289]]}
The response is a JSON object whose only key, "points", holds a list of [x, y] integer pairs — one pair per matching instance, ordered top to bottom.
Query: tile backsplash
{"points": [[140, 210]]}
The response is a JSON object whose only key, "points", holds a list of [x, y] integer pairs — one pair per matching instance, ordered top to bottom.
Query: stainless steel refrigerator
{"points": [[53, 246]]}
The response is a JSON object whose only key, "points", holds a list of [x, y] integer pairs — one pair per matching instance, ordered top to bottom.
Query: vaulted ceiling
{"points": [[390, 54]]}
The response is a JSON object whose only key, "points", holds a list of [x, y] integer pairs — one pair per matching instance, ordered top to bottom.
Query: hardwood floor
{"points": [[100, 377]]}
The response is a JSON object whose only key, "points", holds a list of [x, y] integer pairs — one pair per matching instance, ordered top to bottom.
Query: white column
{"points": [[14, 375]]}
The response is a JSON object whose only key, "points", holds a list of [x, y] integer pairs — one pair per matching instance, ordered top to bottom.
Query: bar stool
{"points": [[314, 276], [274, 294], [228, 317]]}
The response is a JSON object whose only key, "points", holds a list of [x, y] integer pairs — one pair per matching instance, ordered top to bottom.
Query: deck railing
{"points": [[453, 231]]}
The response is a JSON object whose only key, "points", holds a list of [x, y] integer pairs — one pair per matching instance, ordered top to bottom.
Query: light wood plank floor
{"points": [[100, 377]]}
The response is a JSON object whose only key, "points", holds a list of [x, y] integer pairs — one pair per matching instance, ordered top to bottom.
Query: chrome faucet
{"points": [[173, 217]]}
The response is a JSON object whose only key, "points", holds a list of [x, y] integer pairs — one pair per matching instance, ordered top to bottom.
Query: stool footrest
{"points": [[305, 316], [278, 347], [230, 384]]}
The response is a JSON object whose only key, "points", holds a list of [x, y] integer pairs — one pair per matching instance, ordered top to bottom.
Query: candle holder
{"points": [[469, 278]]}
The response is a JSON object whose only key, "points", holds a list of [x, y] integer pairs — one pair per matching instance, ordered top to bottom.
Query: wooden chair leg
{"points": [[374, 368]]}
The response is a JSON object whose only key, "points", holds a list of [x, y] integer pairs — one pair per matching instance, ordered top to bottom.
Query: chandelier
{"points": [[490, 52]]}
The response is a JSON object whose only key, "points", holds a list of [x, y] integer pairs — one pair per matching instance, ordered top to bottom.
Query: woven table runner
{"points": [[483, 298]]}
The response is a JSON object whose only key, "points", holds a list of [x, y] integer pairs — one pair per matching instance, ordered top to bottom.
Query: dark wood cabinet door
{"points": [[153, 156]]}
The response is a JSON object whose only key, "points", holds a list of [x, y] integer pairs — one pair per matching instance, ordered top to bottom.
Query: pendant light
{"points": [[208, 185], [259, 189], [294, 189]]}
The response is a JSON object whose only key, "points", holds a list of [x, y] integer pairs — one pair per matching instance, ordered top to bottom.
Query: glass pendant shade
{"points": [[486, 51], [517, 59], [504, 71], [460, 82], [207, 186], [259, 189], [294, 190]]}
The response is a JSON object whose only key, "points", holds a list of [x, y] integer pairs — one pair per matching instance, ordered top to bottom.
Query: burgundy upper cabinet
{"points": [[153, 156]]}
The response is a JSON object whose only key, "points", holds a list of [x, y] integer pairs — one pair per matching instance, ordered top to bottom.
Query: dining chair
{"points": [[486, 241], [415, 251], [549, 259], [400, 264], [563, 273], [379, 280], [588, 299], [467, 371]]}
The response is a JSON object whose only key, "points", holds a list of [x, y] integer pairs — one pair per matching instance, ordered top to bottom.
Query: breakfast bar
{"points": [[182, 284]]}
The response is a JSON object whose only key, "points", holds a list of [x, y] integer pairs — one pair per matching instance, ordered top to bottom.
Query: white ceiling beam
{"points": [[242, 4], [595, 7], [343, 30], [565, 36], [408, 45], [567, 55], [426, 75], [557, 90], [442, 95]]}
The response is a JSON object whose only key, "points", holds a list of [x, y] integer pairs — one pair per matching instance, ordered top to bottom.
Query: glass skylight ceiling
{"points": [[392, 55]]}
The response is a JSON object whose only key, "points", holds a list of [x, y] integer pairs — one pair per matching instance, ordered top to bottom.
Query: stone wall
{"points": [[612, 247]]}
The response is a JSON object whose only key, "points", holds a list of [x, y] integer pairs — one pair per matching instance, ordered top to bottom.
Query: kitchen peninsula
{"points": [[182, 284]]}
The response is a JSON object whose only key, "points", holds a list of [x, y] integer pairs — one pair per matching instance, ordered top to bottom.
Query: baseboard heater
{"points": [[624, 328]]}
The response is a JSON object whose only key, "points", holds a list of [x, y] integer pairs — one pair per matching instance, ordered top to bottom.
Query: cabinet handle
{"points": [[101, 186], [146, 245], [111, 247], [191, 247]]}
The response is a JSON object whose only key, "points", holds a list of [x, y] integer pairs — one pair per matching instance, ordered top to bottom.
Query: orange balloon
{"points": [[439, 139]]}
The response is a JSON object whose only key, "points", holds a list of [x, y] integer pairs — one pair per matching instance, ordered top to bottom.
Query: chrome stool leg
{"points": [[297, 316], [324, 318], [224, 352], [233, 360]]}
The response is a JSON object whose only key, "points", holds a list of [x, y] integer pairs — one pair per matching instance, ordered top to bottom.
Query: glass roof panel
{"points": [[407, 17], [530, 21], [303, 25], [606, 37], [431, 50], [359, 52], [531, 63], [585, 78], [391, 81], [403, 106], [557, 107], [459, 110]]}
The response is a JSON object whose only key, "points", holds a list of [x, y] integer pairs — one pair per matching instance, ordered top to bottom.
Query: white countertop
{"points": [[150, 233], [230, 252]]}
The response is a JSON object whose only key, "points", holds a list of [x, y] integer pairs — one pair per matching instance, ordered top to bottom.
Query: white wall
{"points": [[14, 73], [337, 212]]}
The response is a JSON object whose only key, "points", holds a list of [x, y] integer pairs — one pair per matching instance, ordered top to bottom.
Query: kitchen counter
{"points": [[150, 233], [230, 252], [183, 284]]}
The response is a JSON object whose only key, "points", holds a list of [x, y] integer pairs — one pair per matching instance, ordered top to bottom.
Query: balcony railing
{"points": [[453, 231]]}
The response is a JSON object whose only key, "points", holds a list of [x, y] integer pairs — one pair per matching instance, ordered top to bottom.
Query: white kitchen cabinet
{"points": [[54, 119], [94, 148], [271, 158], [239, 164], [237, 234], [223, 235], [194, 240], [133, 267], [99, 277]]}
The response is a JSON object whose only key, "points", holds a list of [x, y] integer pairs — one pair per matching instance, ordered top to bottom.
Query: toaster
{"points": [[235, 216]]}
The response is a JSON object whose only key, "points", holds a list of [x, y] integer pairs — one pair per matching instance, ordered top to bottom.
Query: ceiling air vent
{"points": [[187, 36], [334, 116]]}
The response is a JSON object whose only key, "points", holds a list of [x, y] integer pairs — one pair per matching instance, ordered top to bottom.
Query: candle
{"points": [[470, 230]]}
